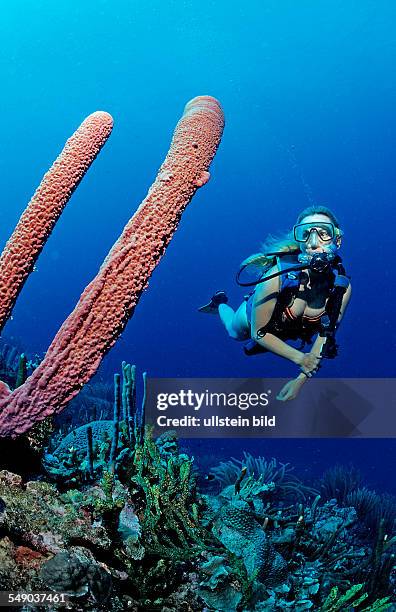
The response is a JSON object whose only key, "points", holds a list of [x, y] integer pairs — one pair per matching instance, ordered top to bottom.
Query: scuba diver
{"points": [[302, 292]]}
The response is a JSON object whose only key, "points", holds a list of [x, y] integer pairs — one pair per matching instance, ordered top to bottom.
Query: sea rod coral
{"points": [[110, 299]]}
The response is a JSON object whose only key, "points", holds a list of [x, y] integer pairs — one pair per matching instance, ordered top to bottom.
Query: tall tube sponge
{"points": [[44, 209], [110, 299]]}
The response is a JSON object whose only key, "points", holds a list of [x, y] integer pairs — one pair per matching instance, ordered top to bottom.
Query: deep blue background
{"points": [[309, 94]]}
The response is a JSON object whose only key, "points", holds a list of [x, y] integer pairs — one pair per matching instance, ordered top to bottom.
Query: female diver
{"points": [[302, 291]]}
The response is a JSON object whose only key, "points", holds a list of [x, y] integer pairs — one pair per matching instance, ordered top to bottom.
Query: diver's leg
{"points": [[212, 307], [235, 322]]}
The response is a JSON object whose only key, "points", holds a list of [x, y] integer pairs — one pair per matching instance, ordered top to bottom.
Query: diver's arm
{"points": [[264, 300], [345, 301], [320, 340], [318, 345], [277, 346]]}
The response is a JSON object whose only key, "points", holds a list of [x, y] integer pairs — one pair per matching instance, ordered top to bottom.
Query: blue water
{"points": [[309, 94]]}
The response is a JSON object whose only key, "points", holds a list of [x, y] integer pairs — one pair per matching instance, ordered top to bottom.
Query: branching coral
{"points": [[280, 474], [340, 481], [170, 520], [352, 599]]}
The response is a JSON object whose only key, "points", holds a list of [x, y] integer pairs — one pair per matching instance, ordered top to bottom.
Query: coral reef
{"points": [[110, 299], [15, 365], [83, 454], [69, 462], [280, 474], [339, 481], [344, 484], [166, 486], [36, 515], [238, 529], [138, 534], [292, 556], [74, 574], [352, 599]]}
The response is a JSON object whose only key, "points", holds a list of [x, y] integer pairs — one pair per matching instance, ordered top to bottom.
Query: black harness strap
{"points": [[328, 320]]}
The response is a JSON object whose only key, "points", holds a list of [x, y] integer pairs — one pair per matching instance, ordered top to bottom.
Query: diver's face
{"points": [[315, 244]]}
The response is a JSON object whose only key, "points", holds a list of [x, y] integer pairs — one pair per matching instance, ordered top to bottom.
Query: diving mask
{"points": [[325, 231]]}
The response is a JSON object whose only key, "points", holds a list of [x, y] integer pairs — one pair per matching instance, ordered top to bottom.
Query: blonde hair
{"points": [[285, 243]]}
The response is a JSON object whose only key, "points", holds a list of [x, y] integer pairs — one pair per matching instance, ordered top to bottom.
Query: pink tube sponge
{"points": [[45, 207], [109, 300]]}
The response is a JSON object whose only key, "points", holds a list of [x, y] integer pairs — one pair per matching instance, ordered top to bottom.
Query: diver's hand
{"points": [[309, 363], [291, 389]]}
